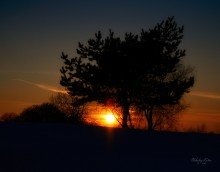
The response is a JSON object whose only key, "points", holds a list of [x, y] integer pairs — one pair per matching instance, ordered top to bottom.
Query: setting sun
{"points": [[110, 118]]}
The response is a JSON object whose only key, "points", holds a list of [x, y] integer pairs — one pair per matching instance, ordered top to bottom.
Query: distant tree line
{"points": [[58, 110]]}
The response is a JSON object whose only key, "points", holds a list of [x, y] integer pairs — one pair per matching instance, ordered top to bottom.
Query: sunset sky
{"points": [[34, 33]]}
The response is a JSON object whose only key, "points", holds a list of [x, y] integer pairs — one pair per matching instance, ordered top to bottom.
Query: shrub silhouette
{"points": [[45, 112], [10, 116]]}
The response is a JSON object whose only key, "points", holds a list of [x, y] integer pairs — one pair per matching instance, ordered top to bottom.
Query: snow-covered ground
{"points": [[27, 147]]}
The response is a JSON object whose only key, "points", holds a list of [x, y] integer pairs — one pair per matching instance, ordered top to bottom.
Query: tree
{"points": [[142, 70], [167, 93], [65, 103], [45, 112], [166, 116]]}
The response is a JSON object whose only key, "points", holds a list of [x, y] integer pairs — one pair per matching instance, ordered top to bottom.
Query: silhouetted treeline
{"points": [[59, 110], [42, 113]]}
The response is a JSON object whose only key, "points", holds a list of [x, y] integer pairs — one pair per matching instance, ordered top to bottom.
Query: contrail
{"points": [[42, 86], [209, 95]]}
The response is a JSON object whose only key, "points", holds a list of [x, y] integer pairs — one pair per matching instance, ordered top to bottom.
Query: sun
{"points": [[109, 118]]}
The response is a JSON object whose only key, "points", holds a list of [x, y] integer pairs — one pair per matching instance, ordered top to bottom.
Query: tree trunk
{"points": [[125, 116], [150, 119], [131, 126]]}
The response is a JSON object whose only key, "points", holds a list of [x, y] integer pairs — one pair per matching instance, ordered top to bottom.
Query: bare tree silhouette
{"points": [[65, 103]]}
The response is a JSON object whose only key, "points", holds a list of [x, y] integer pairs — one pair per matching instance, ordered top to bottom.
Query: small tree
{"points": [[141, 70], [166, 101], [65, 103], [165, 117]]}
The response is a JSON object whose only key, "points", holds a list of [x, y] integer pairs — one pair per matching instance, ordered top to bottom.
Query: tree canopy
{"points": [[145, 71]]}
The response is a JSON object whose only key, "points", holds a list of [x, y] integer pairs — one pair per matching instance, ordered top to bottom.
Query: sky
{"points": [[34, 33]]}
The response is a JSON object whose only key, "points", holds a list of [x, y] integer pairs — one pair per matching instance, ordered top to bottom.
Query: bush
{"points": [[42, 113], [11, 116]]}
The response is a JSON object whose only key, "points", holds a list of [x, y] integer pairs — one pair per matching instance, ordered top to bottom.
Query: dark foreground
{"points": [[49, 147]]}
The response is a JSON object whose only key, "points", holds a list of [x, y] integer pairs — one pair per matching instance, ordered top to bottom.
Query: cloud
{"points": [[42, 86], [209, 95]]}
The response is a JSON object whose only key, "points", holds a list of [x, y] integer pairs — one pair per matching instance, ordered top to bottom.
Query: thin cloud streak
{"points": [[42, 86], [209, 95]]}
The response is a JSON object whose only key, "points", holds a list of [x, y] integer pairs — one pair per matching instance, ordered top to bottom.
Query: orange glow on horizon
{"points": [[101, 115], [190, 119]]}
